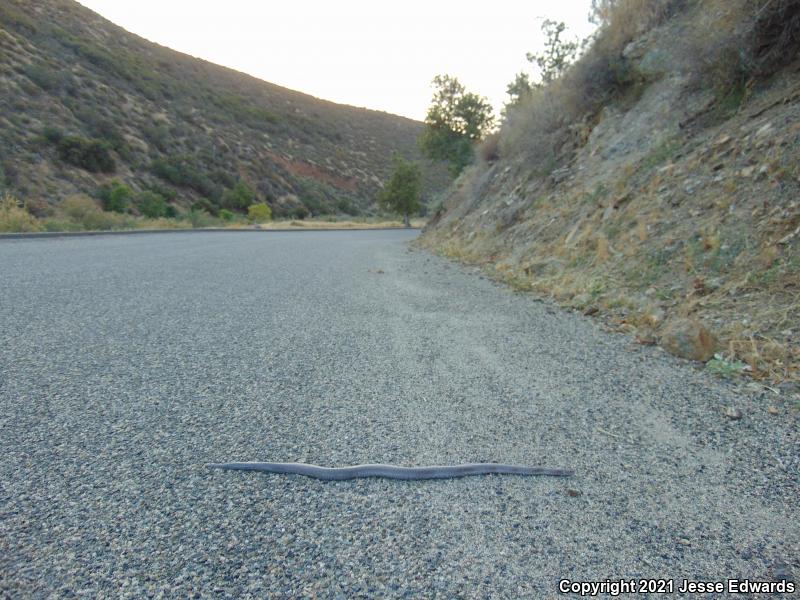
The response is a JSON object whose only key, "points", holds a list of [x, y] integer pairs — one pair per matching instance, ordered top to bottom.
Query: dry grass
{"points": [[625, 20], [735, 42], [82, 213], [14, 218], [314, 224]]}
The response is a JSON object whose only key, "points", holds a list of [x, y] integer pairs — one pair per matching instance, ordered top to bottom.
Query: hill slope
{"points": [[83, 102], [656, 184]]}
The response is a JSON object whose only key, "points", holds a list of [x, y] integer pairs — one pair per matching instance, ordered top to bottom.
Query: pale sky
{"points": [[368, 53]]}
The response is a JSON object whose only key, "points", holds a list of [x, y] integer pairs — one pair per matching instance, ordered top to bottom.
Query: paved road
{"points": [[126, 363]]}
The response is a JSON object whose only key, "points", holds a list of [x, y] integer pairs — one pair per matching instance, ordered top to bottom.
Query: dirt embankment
{"points": [[674, 213]]}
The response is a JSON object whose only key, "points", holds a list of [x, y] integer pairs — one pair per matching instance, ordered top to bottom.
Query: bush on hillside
{"points": [[735, 41], [52, 134], [92, 155], [182, 172], [115, 196], [240, 197], [151, 205], [204, 205], [346, 206], [77, 207], [301, 212], [84, 213], [258, 213], [14, 218], [199, 218]]}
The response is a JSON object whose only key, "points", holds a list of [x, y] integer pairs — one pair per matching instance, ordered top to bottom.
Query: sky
{"points": [[369, 53]]}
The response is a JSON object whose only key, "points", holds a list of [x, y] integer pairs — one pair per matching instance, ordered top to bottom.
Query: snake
{"points": [[390, 471]]}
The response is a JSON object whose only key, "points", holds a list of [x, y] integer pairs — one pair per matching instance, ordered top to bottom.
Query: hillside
{"points": [[83, 103], [656, 185]]}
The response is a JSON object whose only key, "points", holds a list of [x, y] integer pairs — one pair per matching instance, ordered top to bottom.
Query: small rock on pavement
{"points": [[688, 338], [773, 410], [733, 413], [572, 493], [781, 570]]}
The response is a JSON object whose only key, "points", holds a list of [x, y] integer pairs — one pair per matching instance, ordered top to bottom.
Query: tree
{"points": [[557, 55], [519, 88], [517, 91], [456, 120], [403, 190], [115, 196], [240, 197], [119, 198], [151, 205], [258, 213]]}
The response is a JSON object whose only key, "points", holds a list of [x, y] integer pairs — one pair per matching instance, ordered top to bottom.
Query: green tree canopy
{"points": [[556, 56], [519, 88], [456, 120], [403, 190], [240, 197], [119, 198], [151, 205], [258, 213]]}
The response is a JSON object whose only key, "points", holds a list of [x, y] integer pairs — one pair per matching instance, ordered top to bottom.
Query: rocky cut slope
{"points": [[83, 102], [657, 184]]}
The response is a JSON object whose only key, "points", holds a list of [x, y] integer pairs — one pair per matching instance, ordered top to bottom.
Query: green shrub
{"points": [[244, 110], [106, 132], [52, 134], [157, 134], [91, 155], [182, 172], [165, 192], [116, 197], [240, 197], [151, 205], [205, 205], [345, 206], [78, 207], [259, 212], [301, 212], [84, 213], [226, 215], [14, 218], [199, 218], [105, 221], [726, 367]]}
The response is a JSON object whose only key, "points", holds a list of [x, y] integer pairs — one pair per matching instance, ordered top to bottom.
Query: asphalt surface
{"points": [[127, 363]]}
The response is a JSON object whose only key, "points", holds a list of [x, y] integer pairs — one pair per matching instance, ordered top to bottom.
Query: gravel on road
{"points": [[128, 363]]}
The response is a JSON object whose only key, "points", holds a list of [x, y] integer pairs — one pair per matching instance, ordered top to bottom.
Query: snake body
{"points": [[390, 471]]}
